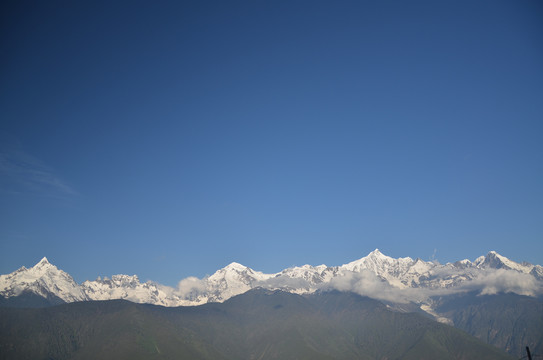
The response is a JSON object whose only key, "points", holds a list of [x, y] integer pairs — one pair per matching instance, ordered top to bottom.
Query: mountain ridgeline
{"points": [[376, 275], [372, 308], [259, 324]]}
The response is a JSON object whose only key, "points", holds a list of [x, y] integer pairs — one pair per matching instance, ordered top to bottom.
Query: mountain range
{"points": [[376, 275], [493, 298]]}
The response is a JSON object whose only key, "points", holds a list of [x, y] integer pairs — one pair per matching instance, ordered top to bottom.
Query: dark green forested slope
{"points": [[256, 325]]}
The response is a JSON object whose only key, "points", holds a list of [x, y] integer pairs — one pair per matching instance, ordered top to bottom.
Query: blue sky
{"points": [[169, 139]]}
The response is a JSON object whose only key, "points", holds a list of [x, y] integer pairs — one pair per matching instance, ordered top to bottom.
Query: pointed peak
{"points": [[377, 254], [495, 255], [43, 261], [497, 261]]}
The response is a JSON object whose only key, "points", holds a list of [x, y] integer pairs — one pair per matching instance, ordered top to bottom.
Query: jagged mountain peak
{"points": [[377, 254], [494, 255], [376, 260], [493, 260], [43, 261], [43, 264], [121, 277], [235, 278], [43, 279], [117, 280]]}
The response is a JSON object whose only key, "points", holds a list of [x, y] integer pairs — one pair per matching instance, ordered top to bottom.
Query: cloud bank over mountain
{"points": [[376, 275], [495, 281], [487, 282], [368, 284]]}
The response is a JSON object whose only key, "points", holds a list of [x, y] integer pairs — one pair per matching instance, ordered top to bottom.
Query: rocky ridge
{"points": [[375, 275]]}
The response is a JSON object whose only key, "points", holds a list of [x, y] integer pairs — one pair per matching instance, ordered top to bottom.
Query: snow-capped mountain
{"points": [[496, 261], [401, 273], [376, 275], [43, 279], [232, 280], [130, 288]]}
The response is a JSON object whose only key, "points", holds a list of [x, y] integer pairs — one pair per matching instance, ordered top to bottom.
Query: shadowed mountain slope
{"points": [[508, 321], [259, 324]]}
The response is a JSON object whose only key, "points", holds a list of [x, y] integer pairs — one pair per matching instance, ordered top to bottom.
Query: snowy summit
{"points": [[375, 275]]}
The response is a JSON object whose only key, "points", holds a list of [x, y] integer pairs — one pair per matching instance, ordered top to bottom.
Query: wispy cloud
{"points": [[21, 172]]}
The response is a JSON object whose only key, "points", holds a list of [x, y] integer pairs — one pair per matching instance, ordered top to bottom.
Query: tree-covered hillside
{"points": [[256, 325]]}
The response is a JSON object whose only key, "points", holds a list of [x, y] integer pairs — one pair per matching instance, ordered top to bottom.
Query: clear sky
{"points": [[170, 138]]}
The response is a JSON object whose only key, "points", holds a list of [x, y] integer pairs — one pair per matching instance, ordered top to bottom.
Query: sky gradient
{"points": [[169, 139]]}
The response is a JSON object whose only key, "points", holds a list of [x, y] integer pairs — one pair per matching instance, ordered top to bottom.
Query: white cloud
{"points": [[22, 172], [494, 281], [486, 282], [366, 283], [190, 287]]}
